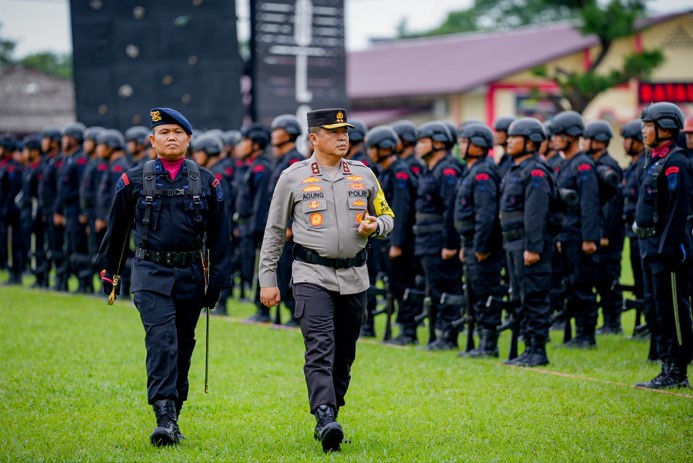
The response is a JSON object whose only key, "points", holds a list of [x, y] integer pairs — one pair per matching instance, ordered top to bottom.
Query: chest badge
{"points": [[354, 178], [311, 180], [356, 186], [312, 188], [359, 203], [313, 204], [316, 219]]}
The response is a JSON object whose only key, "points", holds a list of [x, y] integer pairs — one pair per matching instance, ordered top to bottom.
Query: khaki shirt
{"points": [[326, 216]]}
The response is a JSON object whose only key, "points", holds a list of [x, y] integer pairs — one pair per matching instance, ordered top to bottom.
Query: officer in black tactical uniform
{"points": [[500, 127], [285, 130], [597, 136], [136, 140], [71, 174], [91, 179], [10, 187], [48, 191], [252, 204], [177, 214], [476, 220], [661, 223], [32, 225], [528, 236], [579, 239], [437, 243]]}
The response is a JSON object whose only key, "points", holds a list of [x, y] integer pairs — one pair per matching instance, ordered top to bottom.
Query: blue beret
{"points": [[159, 116]]}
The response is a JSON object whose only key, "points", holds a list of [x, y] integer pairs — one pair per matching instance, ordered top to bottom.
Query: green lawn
{"points": [[73, 388]]}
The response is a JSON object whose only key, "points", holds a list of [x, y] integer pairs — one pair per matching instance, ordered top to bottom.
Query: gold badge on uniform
{"points": [[155, 115], [340, 117], [345, 165], [314, 168], [354, 178], [311, 180], [356, 186], [311, 188], [359, 203], [313, 204], [359, 217], [316, 219]]}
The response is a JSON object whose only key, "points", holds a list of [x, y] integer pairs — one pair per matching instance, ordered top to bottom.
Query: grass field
{"points": [[73, 388]]}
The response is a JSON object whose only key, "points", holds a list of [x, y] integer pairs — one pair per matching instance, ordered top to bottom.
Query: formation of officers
{"points": [[536, 233]]}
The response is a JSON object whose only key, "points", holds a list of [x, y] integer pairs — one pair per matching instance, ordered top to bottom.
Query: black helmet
{"points": [[666, 115], [568, 122], [289, 123], [503, 123], [529, 128], [548, 129], [632, 129], [75, 130], [434, 130], [452, 130], [598, 130], [406, 131], [358, 132], [52, 133], [92, 133], [138, 133], [258, 133], [479, 134], [231, 137], [382, 137], [111, 138], [32, 142], [8, 143], [211, 143]]}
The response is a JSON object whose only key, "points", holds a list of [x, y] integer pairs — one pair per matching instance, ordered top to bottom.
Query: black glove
{"points": [[107, 283], [212, 296]]}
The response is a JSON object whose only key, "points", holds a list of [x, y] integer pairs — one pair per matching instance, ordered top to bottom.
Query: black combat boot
{"points": [[220, 309], [261, 316], [368, 328], [407, 337], [488, 346], [537, 354], [520, 359], [672, 376], [179, 407], [327, 430], [166, 432]]}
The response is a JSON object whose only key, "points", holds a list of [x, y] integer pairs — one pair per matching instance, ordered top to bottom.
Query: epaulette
{"points": [[296, 165]]}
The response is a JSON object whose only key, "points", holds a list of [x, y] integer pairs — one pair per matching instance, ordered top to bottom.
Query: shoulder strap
{"points": [[194, 185], [148, 190]]}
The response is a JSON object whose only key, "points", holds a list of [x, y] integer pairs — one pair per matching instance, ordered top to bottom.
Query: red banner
{"points": [[673, 92]]}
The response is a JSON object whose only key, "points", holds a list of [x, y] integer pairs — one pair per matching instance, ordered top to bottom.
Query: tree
{"points": [[608, 21], [6, 50], [51, 63]]}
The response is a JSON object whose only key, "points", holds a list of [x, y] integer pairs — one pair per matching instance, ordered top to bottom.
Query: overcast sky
{"points": [[39, 25]]}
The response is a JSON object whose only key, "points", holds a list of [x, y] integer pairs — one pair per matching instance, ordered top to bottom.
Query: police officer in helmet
{"points": [[661, 223]]}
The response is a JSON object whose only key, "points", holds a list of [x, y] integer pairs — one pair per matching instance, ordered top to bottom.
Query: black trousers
{"points": [[404, 270], [581, 272], [284, 276], [443, 276], [484, 280], [531, 287], [670, 288], [330, 324], [169, 326]]}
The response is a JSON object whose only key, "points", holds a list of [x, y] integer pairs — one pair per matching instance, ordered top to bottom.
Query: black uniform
{"points": [[399, 183], [10, 187], [88, 193], [661, 217], [525, 219], [476, 220], [582, 223], [33, 224], [613, 228], [434, 230], [55, 235], [76, 241], [168, 281], [557, 293]]}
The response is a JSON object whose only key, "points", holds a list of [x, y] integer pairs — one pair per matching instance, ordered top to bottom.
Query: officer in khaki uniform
{"points": [[336, 205]]}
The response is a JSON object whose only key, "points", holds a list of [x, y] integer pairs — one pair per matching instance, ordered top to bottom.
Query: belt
{"points": [[511, 216], [426, 217], [426, 229], [645, 232], [513, 235], [310, 256], [171, 258]]}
